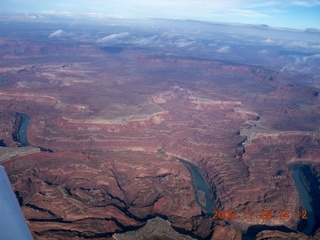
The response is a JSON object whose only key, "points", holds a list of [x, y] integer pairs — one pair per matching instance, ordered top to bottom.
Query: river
{"points": [[23, 127], [202, 190], [304, 198], [306, 202]]}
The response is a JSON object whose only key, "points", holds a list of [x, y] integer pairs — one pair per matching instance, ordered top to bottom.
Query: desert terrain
{"points": [[110, 123]]}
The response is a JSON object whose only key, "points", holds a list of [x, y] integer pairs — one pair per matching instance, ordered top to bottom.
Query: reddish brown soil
{"points": [[116, 122]]}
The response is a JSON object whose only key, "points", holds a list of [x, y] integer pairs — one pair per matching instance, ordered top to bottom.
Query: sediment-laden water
{"points": [[21, 135], [202, 191], [305, 198], [306, 201]]}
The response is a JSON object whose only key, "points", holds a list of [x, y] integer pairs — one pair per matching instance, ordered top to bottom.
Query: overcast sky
{"points": [[299, 14]]}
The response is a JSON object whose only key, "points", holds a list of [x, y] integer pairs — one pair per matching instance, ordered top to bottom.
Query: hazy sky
{"points": [[283, 13]]}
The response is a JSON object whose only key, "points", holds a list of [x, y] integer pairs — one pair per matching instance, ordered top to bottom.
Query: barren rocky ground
{"points": [[111, 127]]}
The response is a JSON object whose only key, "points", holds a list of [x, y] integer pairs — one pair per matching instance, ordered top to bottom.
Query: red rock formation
{"points": [[116, 124], [8, 128], [99, 194]]}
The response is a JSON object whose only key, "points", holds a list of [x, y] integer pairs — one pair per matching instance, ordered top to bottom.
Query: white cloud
{"points": [[306, 3], [256, 4], [59, 13], [249, 13], [58, 33], [172, 34], [113, 38], [153, 41], [268, 41], [144, 42], [181, 43], [212, 44], [303, 44], [224, 49], [263, 52], [311, 57]]}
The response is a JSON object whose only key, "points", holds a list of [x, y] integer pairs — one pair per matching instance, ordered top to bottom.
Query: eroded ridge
{"points": [[111, 129]]}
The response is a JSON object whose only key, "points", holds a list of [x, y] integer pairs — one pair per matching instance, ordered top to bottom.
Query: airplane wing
{"points": [[13, 225]]}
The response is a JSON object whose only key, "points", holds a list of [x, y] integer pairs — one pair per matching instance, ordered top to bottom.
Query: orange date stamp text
{"points": [[262, 214]]}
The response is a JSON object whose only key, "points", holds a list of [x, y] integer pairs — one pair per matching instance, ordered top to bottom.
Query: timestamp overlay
{"points": [[263, 214]]}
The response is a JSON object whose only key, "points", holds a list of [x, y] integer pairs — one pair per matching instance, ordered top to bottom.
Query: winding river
{"points": [[22, 131], [21, 135], [201, 188], [304, 198], [306, 205]]}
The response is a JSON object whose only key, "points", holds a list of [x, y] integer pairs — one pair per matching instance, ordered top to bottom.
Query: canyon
{"points": [[106, 131]]}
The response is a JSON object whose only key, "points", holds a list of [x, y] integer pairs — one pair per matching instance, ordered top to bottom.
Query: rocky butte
{"points": [[110, 123]]}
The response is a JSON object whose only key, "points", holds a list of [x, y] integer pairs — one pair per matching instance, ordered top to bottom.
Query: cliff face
{"points": [[116, 124], [9, 126], [95, 195]]}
